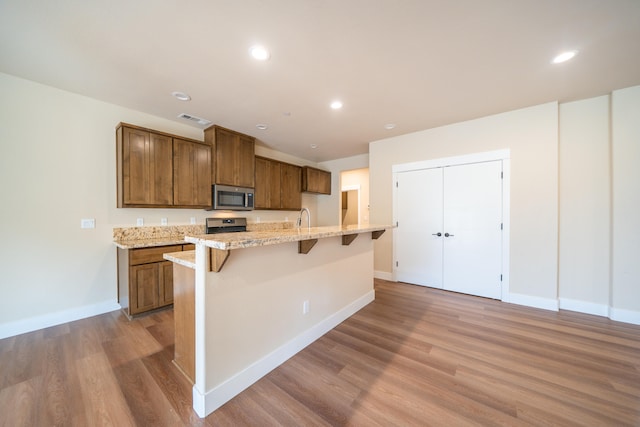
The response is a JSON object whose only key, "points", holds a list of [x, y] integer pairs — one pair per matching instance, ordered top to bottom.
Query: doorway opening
{"points": [[354, 197], [350, 207]]}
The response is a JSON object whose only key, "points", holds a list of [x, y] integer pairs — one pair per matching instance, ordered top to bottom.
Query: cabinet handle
{"points": [[437, 234], [448, 235]]}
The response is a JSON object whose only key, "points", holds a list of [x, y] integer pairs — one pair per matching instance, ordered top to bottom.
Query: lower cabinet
{"points": [[145, 278]]}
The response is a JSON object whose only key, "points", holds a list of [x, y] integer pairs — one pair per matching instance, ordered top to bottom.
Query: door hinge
{"points": [[501, 175], [396, 184], [396, 223], [501, 225], [396, 263], [501, 277]]}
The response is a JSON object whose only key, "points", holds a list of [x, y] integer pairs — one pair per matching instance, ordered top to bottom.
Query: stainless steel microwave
{"points": [[228, 197]]}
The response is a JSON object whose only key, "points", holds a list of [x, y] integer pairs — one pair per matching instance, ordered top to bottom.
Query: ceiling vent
{"points": [[198, 120]]}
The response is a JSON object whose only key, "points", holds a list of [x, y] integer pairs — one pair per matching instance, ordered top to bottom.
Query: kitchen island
{"points": [[246, 302]]}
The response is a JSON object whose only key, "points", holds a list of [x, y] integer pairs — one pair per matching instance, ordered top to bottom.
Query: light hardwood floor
{"points": [[415, 356]]}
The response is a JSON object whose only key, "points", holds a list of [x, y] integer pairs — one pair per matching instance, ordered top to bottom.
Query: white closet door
{"points": [[419, 216], [473, 217]]}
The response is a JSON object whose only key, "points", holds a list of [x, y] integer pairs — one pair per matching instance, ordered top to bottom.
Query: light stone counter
{"points": [[165, 235], [228, 241], [185, 258]]}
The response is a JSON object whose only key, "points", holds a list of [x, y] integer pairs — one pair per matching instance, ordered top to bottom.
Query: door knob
{"points": [[437, 234], [448, 235]]}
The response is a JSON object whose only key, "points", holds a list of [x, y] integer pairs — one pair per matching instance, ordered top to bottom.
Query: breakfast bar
{"points": [[246, 302]]}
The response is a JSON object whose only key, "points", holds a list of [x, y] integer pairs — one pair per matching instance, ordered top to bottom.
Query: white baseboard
{"points": [[384, 275], [532, 301], [584, 307], [627, 316], [47, 320], [204, 404]]}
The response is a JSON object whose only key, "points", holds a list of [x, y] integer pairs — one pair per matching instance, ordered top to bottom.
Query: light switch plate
{"points": [[88, 223]]}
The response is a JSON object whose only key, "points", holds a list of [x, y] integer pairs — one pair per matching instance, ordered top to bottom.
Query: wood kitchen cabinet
{"points": [[233, 156], [143, 159], [159, 170], [191, 174], [316, 180], [277, 185], [291, 189], [145, 279]]}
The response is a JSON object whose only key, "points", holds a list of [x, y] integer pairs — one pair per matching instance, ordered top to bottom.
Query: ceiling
{"points": [[417, 64]]}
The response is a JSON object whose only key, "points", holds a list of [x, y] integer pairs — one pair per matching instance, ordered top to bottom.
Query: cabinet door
{"points": [[225, 157], [234, 158], [245, 162], [147, 168], [191, 174], [264, 180], [324, 182], [290, 188], [143, 288], [165, 288]]}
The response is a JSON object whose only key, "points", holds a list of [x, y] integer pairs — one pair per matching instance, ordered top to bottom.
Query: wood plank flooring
{"points": [[415, 356]]}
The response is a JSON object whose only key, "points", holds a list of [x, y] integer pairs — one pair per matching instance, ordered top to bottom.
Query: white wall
{"points": [[531, 135], [58, 166], [585, 181], [625, 278]]}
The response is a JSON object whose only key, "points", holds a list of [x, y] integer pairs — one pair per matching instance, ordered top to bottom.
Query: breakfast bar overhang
{"points": [[258, 298]]}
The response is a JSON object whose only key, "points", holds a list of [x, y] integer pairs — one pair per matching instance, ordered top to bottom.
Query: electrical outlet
{"points": [[257, 219], [192, 220], [163, 221], [140, 222], [87, 223], [305, 307]]}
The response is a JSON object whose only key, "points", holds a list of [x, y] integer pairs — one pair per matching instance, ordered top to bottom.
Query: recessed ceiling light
{"points": [[260, 53], [564, 56], [181, 96], [336, 105], [262, 126], [389, 126], [314, 146]]}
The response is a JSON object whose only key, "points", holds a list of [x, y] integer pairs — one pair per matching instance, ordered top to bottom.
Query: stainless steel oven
{"points": [[227, 197], [225, 225]]}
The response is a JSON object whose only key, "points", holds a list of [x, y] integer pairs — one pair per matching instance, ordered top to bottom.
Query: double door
{"points": [[449, 233]]}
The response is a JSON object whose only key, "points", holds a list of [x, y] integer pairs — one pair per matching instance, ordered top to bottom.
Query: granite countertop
{"points": [[153, 236], [227, 241], [149, 243], [185, 258]]}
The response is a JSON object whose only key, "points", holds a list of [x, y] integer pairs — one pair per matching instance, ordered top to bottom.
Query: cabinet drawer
{"points": [[147, 255]]}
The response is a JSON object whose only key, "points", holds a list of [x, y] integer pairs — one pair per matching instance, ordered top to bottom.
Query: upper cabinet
{"points": [[233, 156], [160, 170], [191, 173], [316, 180], [277, 185]]}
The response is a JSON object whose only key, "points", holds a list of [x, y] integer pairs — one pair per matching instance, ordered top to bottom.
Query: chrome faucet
{"points": [[299, 222]]}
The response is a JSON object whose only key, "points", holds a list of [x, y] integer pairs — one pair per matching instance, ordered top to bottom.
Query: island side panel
{"points": [[184, 279], [254, 306]]}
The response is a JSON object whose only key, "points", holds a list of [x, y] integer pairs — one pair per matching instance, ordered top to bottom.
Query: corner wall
{"points": [[585, 196], [625, 249]]}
